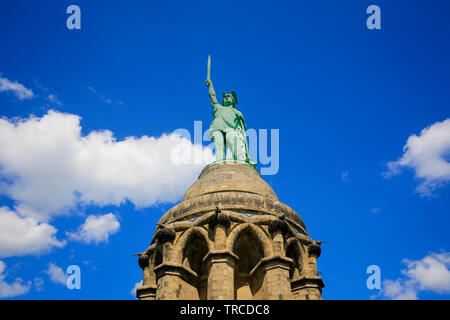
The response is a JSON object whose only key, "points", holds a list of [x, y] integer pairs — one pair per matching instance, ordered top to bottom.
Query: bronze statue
{"points": [[227, 130]]}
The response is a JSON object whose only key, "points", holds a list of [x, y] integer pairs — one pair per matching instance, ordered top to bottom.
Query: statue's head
{"points": [[229, 99]]}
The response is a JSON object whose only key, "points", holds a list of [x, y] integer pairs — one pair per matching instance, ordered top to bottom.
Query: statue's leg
{"points": [[218, 139], [234, 146]]}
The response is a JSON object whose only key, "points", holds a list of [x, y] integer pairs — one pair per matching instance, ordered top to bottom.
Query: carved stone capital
{"points": [[219, 218], [278, 225], [166, 235], [314, 250], [220, 256], [143, 261], [272, 262], [177, 270]]}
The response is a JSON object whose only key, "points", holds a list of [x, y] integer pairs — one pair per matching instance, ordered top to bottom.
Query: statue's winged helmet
{"points": [[233, 95]]}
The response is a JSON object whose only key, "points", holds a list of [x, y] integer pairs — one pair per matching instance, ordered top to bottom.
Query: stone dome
{"points": [[229, 177], [237, 187], [254, 248]]}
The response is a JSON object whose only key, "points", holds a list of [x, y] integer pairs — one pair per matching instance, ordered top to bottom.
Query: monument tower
{"points": [[230, 237]]}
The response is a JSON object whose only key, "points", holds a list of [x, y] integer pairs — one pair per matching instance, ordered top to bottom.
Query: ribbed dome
{"points": [[229, 177], [235, 186]]}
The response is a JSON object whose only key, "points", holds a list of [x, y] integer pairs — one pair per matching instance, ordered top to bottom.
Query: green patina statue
{"points": [[227, 130]]}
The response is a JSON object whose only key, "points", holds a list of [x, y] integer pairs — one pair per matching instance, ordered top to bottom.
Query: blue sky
{"points": [[344, 98]]}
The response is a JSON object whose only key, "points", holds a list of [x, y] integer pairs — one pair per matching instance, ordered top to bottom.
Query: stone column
{"points": [[219, 224], [277, 228], [220, 237], [314, 252], [220, 262], [220, 265], [277, 267], [168, 275], [277, 282], [309, 286], [148, 289]]}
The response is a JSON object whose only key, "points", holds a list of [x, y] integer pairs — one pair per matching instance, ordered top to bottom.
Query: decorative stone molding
{"points": [[231, 200], [218, 256], [275, 261], [175, 269], [310, 282], [146, 292]]}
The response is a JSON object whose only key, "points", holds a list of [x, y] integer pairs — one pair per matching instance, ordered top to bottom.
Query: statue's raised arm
{"points": [[212, 92]]}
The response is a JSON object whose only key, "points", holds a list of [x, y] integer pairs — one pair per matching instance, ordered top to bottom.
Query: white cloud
{"points": [[16, 88], [53, 98], [103, 98], [428, 155], [50, 167], [344, 176], [96, 229], [24, 235], [431, 273], [56, 274], [428, 274], [38, 283], [136, 285], [12, 289], [399, 290]]}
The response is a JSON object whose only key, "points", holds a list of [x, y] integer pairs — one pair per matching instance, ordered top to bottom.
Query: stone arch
{"points": [[256, 232], [185, 239], [251, 245], [191, 248], [295, 251]]}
